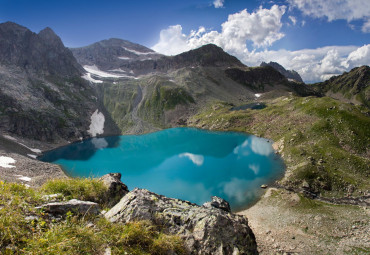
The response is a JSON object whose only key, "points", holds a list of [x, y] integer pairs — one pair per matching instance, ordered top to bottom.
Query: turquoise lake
{"points": [[184, 163]]}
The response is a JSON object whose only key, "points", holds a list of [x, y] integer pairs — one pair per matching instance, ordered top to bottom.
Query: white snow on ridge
{"points": [[139, 53], [124, 58], [95, 70], [119, 70], [88, 77], [257, 95], [97, 123], [15, 140], [32, 156], [6, 162]]}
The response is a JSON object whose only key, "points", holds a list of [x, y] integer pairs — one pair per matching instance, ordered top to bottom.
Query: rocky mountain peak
{"points": [[39, 53], [208, 55], [289, 74]]}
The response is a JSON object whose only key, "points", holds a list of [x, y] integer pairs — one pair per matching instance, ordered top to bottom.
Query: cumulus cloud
{"points": [[218, 3], [336, 9], [261, 27], [247, 36], [314, 64]]}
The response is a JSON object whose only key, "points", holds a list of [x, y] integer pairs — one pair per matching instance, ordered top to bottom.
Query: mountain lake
{"points": [[184, 163]]}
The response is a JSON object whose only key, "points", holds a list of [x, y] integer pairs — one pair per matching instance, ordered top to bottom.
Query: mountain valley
{"points": [[51, 96]]}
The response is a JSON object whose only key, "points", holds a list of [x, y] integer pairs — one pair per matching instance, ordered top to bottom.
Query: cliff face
{"points": [[42, 53], [289, 74], [42, 94]]}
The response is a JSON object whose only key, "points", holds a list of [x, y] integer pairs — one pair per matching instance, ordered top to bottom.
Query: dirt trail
{"points": [[286, 223]]}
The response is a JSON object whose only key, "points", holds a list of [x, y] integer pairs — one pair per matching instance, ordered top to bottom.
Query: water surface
{"points": [[182, 163]]}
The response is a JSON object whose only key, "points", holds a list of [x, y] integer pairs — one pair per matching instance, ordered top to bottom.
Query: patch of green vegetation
{"points": [[162, 96], [119, 101], [325, 141], [78, 188], [72, 234]]}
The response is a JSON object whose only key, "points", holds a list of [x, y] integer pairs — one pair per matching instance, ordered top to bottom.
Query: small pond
{"points": [[184, 163]]}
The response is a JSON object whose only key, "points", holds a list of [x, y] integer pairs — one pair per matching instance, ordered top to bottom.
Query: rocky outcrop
{"points": [[289, 74], [116, 188], [219, 203], [73, 205], [205, 230]]}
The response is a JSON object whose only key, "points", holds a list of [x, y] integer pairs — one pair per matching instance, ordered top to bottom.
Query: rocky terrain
{"points": [[289, 74], [351, 87], [51, 95]]}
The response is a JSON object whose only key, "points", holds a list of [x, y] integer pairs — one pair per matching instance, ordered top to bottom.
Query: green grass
{"points": [[325, 141], [78, 188], [73, 234]]}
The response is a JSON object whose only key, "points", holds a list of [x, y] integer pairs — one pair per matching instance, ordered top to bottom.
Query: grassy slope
{"points": [[323, 141], [72, 234]]}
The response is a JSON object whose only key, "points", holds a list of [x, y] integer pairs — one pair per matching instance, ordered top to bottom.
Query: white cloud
{"points": [[218, 3], [336, 9], [293, 20], [261, 27], [366, 27], [244, 32], [172, 41], [314, 64]]}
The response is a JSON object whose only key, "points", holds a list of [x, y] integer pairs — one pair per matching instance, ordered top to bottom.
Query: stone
{"points": [[264, 186], [116, 188], [219, 203], [73, 205], [205, 230]]}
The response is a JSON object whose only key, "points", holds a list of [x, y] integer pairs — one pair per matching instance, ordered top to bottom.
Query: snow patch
{"points": [[139, 52], [124, 58], [95, 70], [119, 70], [88, 77], [257, 95], [97, 123], [10, 138], [32, 156], [196, 159], [6, 162]]}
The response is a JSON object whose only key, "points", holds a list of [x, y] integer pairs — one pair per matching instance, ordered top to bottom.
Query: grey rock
{"points": [[289, 74], [264, 186], [116, 189], [219, 203], [73, 205], [204, 230]]}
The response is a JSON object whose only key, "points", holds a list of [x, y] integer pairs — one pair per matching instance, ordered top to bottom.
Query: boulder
{"points": [[116, 189], [219, 203], [74, 206], [205, 230]]}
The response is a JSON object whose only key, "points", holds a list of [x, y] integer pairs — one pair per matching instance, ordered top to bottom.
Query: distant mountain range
{"points": [[289, 74], [52, 93]]}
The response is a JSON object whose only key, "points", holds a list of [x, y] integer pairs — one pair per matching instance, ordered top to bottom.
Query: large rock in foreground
{"points": [[116, 188], [205, 230]]}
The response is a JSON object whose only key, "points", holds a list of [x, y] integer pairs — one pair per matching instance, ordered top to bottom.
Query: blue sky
{"points": [[316, 38]]}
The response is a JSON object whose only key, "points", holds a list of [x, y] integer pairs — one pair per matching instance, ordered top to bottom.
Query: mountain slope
{"points": [[41, 53], [289, 74], [353, 86], [42, 94]]}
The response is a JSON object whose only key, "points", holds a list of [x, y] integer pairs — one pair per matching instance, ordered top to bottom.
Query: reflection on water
{"points": [[183, 163]]}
